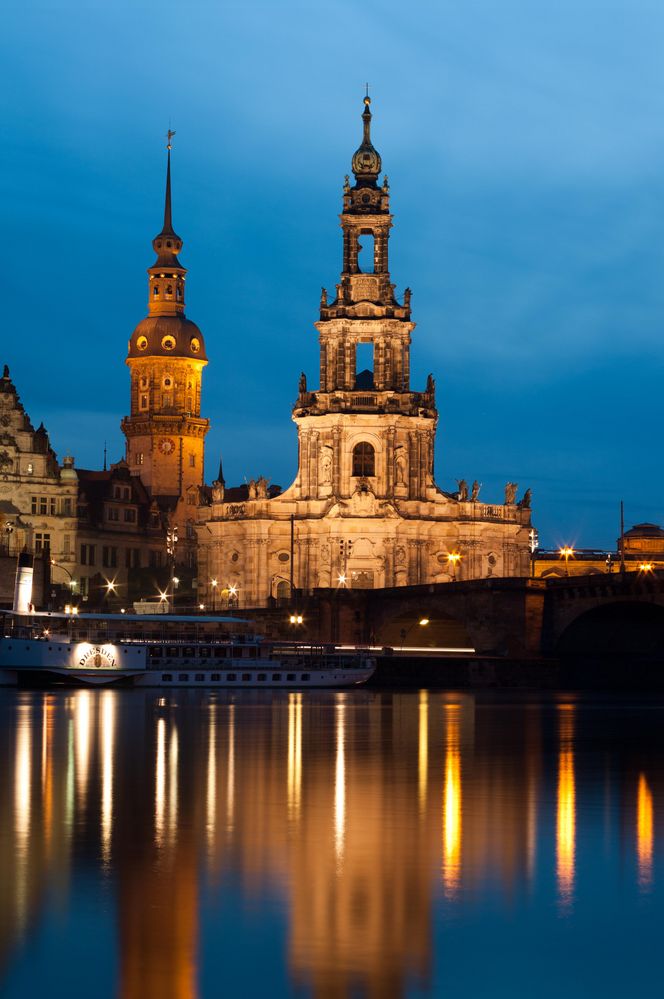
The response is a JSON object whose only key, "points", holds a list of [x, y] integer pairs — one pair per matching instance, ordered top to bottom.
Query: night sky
{"points": [[524, 144]]}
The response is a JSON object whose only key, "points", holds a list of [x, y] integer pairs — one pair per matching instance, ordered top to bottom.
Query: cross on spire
{"points": [[169, 136]]}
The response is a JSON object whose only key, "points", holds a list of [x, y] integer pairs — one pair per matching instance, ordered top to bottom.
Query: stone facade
{"points": [[165, 431], [37, 495], [364, 509]]}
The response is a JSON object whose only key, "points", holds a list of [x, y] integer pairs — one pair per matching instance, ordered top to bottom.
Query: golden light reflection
{"points": [[108, 699], [82, 704], [423, 749], [294, 755], [47, 769], [230, 779], [160, 784], [340, 785], [173, 787], [452, 802], [211, 803], [22, 809], [566, 815], [644, 833]]}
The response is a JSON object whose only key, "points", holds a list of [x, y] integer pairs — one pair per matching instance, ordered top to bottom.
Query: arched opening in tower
{"points": [[365, 253], [364, 366]]}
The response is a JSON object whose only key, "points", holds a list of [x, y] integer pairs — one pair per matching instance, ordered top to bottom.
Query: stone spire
{"points": [[366, 163], [167, 275]]}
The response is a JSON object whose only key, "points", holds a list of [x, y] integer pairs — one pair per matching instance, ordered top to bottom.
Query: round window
{"points": [[142, 342], [168, 342], [195, 345], [167, 383], [234, 557], [284, 557]]}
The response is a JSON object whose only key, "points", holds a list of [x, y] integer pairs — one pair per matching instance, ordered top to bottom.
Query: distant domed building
{"points": [[364, 509]]}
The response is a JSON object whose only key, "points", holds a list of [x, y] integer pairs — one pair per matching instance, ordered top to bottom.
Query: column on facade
{"points": [[379, 364], [406, 365], [322, 379], [336, 460], [389, 461], [313, 462], [304, 463], [412, 465]]}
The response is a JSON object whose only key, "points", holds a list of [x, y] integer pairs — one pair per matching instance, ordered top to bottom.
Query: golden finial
{"points": [[169, 136]]}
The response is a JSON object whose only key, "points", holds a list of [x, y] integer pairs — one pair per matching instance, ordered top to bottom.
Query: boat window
{"points": [[171, 650], [188, 651], [155, 653], [204, 653], [167, 676], [183, 676], [216, 676], [231, 676], [246, 676], [262, 676], [276, 676], [290, 676], [306, 676], [199, 677]]}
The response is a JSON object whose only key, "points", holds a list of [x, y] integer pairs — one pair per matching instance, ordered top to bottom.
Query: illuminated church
{"points": [[364, 509]]}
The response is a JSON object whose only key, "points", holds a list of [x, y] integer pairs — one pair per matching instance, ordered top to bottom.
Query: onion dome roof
{"points": [[366, 163], [167, 336]]}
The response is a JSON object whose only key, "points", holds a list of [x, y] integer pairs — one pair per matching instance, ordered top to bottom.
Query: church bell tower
{"points": [[364, 430], [165, 432]]}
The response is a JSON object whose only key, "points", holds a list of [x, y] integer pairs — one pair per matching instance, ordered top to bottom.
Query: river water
{"points": [[329, 844]]}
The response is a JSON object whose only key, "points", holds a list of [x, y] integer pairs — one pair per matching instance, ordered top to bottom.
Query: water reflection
{"points": [[366, 814], [566, 820]]}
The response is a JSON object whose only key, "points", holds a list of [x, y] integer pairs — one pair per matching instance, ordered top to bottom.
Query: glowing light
{"points": [[646, 567], [342, 580], [214, 582], [110, 586], [232, 589], [163, 596], [201, 607], [296, 619], [424, 622], [107, 732], [82, 745], [423, 749], [160, 783], [294, 785], [173, 786], [340, 786], [230, 787], [211, 803], [452, 803], [22, 809], [566, 818], [644, 833]]}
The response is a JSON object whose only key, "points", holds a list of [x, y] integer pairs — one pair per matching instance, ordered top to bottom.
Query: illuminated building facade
{"points": [[165, 432], [37, 494], [364, 509]]}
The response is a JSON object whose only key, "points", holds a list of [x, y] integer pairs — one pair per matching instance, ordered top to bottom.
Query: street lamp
{"points": [[566, 552], [453, 559], [646, 567], [72, 581], [214, 583], [296, 619], [423, 622]]}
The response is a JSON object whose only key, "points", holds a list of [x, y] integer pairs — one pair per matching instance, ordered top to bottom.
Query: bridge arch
{"points": [[626, 629]]}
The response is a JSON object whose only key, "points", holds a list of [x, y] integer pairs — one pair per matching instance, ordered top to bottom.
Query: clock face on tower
{"points": [[167, 445]]}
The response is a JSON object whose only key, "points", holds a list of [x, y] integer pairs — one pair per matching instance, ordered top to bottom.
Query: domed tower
{"points": [[165, 431]]}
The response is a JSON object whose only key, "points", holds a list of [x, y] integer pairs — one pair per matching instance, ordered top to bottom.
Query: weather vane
{"points": [[169, 136]]}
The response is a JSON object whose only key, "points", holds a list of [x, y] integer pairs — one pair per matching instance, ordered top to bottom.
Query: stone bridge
{"points": [[591, 616]]}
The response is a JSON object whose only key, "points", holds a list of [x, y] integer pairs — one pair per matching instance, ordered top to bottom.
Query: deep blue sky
{"points": [[524, 142]]}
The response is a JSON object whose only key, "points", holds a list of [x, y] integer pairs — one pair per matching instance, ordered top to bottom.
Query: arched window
{"points": [[364, 459]]}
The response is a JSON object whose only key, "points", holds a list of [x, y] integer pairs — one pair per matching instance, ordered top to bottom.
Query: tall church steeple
{"points": [[367, 386], [165, 431]]}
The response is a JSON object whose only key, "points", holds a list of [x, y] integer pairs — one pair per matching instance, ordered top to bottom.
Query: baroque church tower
{"points": [[364, 431], [165, 432], [364, 509]]}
